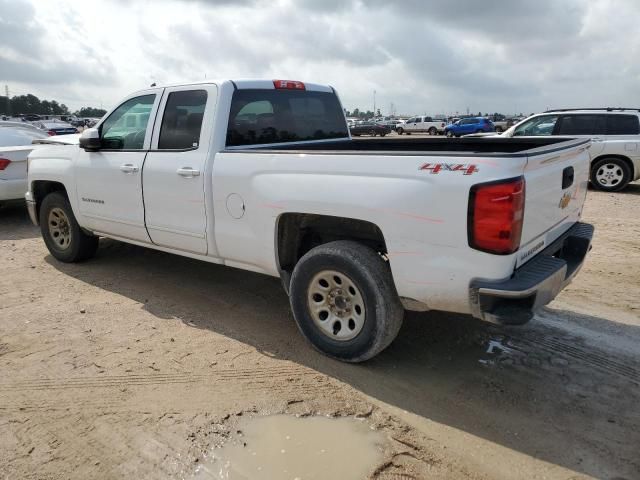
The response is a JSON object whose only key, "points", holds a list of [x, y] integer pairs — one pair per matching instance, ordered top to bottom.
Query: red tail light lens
{"points": [[288, 85], [51, 133], [4, 163], [496, 213]]}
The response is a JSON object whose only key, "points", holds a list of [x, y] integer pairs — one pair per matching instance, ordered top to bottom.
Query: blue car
{"points": [[465, 126]]}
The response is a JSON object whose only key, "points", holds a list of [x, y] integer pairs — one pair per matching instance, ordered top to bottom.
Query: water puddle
{"points": [[286, 447]]}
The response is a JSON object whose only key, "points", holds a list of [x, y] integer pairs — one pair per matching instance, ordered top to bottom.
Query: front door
{"points": [[174, 171], [108, 181]]}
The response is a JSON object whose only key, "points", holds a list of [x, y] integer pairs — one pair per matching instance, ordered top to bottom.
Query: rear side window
{"points": [[260, 116], [182, 120], [582, 125], [623, 125]]}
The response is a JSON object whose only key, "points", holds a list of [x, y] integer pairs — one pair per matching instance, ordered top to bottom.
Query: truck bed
{"points": [[488, 146]]}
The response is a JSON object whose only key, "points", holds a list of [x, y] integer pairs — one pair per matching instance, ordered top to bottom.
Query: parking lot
{"points": [[137, 363]]}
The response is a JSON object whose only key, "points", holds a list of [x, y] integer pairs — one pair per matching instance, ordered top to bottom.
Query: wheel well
{"points": [[626, 160], [42, 188], [297, 233]]}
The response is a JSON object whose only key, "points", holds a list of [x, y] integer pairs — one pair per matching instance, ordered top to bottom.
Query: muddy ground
{"points": [[136, 363]]}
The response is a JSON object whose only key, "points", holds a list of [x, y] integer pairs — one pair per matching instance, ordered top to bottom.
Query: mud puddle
{"points": [[286, 447]]}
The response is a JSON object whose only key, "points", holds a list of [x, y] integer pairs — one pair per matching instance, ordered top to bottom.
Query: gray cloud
{"points": [[423, 57]]}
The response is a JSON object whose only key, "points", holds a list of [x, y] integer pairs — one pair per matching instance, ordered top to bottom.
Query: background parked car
{"points": [[422, 125], [469, 125], [56, 128], [369, 128], [615, 136], [16, 143]]}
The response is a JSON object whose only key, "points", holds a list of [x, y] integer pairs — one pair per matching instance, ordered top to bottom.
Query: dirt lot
{"points": [[135, 364]]}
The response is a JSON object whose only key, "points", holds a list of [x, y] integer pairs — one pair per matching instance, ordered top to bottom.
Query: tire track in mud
{"points": [[560, 344], [33, 395]]}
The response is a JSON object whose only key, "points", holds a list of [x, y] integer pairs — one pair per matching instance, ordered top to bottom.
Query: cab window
{"points": [[182, 120], [126, 127]]}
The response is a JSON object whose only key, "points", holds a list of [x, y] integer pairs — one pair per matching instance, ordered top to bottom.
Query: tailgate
{"points": [[556, 187]]}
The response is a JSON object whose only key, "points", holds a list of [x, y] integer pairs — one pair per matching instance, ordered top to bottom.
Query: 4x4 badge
{"points": [[467, 169]]}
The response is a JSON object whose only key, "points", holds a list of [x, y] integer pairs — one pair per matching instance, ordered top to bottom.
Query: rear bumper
{"points": [[31, 208], [513, 301]]}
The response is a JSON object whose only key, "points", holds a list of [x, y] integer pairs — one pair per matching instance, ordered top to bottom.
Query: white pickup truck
{"points": [[263, 176]]}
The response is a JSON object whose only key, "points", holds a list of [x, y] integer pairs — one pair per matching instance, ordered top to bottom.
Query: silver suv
{"points": [[615, 133]]}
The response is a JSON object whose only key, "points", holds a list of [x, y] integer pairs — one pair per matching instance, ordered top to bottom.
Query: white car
{"points": [[422, 125], [615, 136], [16, 142], [263, 175]]}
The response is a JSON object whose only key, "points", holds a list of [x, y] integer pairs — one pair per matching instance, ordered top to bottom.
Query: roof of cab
{"points": [[244, 84]]}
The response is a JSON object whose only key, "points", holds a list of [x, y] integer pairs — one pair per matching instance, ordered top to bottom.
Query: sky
{"points": [[420, 57]]}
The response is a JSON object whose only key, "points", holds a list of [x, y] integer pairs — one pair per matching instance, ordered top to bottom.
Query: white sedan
{"points": [[17, 141]]}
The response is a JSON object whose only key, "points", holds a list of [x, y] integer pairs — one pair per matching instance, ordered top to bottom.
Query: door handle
{"points": [[129, 168], [188, 172]]}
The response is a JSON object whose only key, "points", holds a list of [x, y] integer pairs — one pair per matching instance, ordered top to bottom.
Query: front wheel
{"points": [[498, 129], [400, 131], [433, 131], [372, 133], [450, 134], [610, 174], [61, 233], [344, 301]]}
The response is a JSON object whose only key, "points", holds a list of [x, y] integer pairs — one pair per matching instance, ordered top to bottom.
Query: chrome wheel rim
{"points": [[609, 175], [59, 228], [336, 305]]}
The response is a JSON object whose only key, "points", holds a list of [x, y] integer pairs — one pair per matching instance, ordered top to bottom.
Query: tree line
{"points": [[30, 104]]}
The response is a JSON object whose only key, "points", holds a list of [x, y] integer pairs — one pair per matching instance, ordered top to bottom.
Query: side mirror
{"points": [[90, 140]]}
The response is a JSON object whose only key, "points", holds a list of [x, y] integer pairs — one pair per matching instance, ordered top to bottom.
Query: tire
{"points": [[400, 130], [498, 130], [433, 131], [372, 133], [382, 134], [450, 134], [610, 174], [61, 233], [369, 297]]}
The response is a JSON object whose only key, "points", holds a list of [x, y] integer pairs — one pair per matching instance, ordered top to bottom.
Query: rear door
{"points": [[592, 126], [174, 170], [556, 187]]}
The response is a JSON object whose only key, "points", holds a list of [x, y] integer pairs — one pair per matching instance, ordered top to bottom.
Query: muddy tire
{"points": [[610, 174], [61, 233], [344, 301]]}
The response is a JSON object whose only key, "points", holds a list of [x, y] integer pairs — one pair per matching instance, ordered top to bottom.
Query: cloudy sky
{"points": [[420, 56]]}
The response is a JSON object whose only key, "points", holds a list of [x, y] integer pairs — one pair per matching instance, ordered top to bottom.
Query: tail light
{"points": [[288, 85], [51, 133], [4, 163], [495, 216]]}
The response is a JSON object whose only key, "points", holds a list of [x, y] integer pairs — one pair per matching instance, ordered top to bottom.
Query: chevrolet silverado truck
{"points": [[263, 175]]}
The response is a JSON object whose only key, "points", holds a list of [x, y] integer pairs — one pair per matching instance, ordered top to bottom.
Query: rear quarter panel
{"points": [[422, 215]]}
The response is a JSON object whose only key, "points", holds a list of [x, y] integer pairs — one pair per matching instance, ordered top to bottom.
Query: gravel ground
{"points": [[137, 363]]}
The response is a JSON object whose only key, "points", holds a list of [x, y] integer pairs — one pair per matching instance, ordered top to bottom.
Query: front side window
{"points": [[261, 116], [182, 120], [622, 124], [582, 125], [537, 126], [126, 127]]}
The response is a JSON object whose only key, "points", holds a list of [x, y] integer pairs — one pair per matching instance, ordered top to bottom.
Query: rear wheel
{"points": [[498, 129], [400, 131], [433, 131], [372, 133], [450, 134], [610, 174], [61, 233], [344, 301]]}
